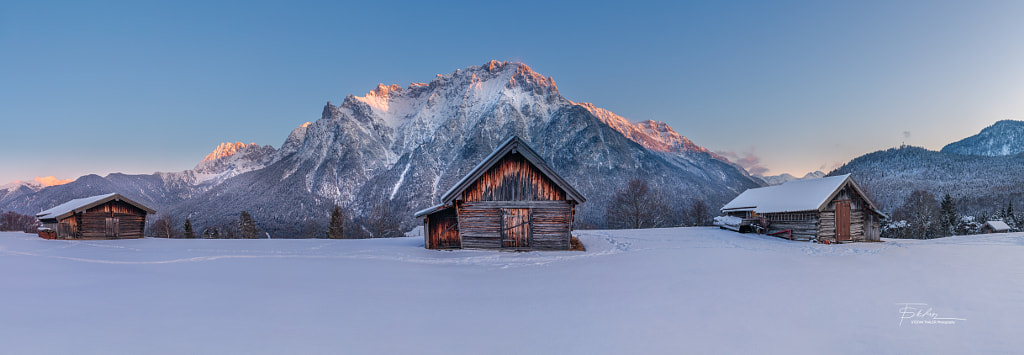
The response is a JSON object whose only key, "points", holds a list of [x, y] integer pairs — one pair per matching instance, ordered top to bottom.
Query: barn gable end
{"points": [[512, 201]]}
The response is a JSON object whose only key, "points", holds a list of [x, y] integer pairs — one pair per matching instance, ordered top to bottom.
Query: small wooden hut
{"points": [[511, 201], [829, 209], [109, 216], [995, 227]]}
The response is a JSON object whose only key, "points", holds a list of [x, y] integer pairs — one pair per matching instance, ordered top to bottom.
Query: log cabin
{"points": [[512, 200], [829, 209], [109, 216], [995, 227]]}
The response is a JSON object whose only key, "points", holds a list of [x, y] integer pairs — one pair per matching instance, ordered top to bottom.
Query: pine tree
{"points": [[948, 215], [1007, 216], [247, 226], [336, 230], [189, 233], [215, 234]]}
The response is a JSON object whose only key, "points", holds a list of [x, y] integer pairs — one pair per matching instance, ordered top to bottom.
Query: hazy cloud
{"points": [[906, 134], [748, 160], [827, 168]]}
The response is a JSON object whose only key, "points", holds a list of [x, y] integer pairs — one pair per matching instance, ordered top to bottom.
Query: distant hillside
{"points": [[1002, 138], [979, 183]]}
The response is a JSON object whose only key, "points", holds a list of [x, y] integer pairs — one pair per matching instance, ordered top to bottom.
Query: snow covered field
{"points": [[671, 291]]}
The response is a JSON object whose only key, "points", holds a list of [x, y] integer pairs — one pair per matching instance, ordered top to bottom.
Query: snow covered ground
{"points": [[668, 291]]}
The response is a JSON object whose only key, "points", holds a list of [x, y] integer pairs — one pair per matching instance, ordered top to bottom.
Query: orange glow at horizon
{"points": [[51, 180]]}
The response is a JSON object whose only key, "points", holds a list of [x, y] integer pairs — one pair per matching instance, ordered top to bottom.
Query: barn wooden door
{"points": [[842, 221], [112, 227], [515, 227], [447, 232]]}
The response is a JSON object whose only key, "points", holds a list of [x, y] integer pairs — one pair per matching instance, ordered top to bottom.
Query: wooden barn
{"points": [[510, 201], [830, 209], [109, 216], [995, 227]]}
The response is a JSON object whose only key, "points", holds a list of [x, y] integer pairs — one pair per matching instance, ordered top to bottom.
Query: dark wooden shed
{"points": [[512, 200], [829, 209], [109, 216], [995, 227]]}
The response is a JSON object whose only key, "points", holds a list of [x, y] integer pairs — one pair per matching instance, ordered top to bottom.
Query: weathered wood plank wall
{"points": [[513, 179], [128, 220], [480, 224], [442, 230]]}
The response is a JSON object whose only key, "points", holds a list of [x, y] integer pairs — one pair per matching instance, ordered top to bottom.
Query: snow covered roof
{"points": [[513, 144], [794, 196], [85, 203], [430, 210], [998, 226]]}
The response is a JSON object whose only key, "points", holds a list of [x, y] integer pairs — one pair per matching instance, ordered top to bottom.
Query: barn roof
{"points": [[512, 145], [795, 196], [85, 203], [431, 210], [998, 226]]}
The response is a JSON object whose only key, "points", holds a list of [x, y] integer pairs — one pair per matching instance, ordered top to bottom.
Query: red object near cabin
{"points": [[47, 234]]}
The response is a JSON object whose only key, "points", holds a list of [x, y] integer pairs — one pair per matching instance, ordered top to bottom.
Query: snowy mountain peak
{"points": [[494, 65], [510, 75], [479, 87], [379, 98], [653, 135], [1005, 137], [294, 140], [225, 149], [230, 159], [786, 177], [32, 185], [19, 188]]}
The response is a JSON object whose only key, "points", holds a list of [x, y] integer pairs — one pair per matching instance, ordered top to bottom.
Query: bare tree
{"points": [[637, 206], [699, 213], [923, 216], [382, 220], [13, 221], [163, 227], [311, 230]]}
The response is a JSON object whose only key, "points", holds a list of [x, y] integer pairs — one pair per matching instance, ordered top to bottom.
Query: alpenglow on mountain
{"points": [[406, 146]]}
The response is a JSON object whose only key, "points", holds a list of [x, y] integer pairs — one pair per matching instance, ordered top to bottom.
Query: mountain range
{"points": [[401, 148], [785, 177]]}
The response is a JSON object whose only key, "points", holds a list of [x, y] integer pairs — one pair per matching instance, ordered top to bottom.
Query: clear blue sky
{"points": [[802, 85]]}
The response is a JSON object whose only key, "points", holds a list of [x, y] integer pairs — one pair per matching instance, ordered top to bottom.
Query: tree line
{"points": [[639, 205], [923, 216], [11, 221], [381, 221]]}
